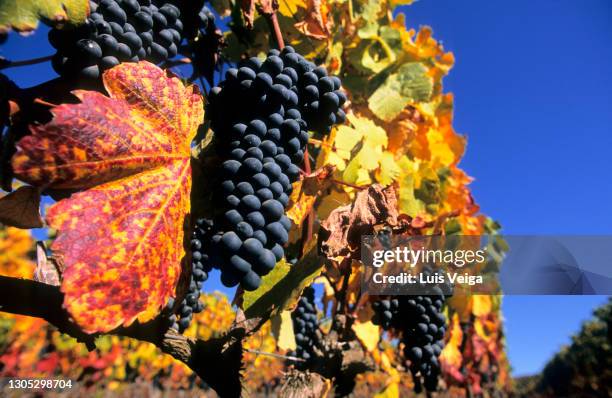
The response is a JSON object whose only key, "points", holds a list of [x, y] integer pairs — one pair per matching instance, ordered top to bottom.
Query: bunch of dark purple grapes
{"points": [[117, 31], [261, 135], [180, 318], [420, 321], [305, 327]]}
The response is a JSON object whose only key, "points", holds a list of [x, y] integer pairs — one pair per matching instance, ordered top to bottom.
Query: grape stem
{"points": [[268, 8], [277, 31], [6, 63], [45, 103], [319, 142], [311, 216], [342, 293]]}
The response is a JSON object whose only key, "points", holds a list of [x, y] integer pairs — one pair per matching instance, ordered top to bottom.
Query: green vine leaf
{"points": [[23, 15], [408, 85], [281, 288]]}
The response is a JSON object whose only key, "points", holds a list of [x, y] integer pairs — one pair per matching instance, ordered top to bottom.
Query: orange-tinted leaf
{"points": [[316, 24], [401, 131], [305, 193], [301, 203], [121, 239], [14, 247], [461, 305], [481, 305], [451, 357]]}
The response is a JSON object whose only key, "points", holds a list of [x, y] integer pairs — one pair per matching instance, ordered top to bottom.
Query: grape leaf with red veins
{"points": [[121, 236]]}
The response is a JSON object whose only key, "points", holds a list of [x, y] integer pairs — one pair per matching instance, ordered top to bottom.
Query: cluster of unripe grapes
{"points": [[117, 31]]}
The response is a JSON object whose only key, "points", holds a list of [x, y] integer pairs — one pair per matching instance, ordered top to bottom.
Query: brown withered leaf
{"points": [[316, 24], [319, 179], [21, 208], [341, 232], [48, 269], [304, 385]]}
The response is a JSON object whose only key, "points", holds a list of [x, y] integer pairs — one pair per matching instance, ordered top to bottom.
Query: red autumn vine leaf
{"points": [[121, 236]]}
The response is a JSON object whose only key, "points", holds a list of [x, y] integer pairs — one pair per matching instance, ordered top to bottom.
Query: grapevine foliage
{"points": [[345, 131]]}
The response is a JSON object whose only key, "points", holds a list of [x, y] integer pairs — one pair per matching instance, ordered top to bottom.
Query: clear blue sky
{"points": [[533, 92]]}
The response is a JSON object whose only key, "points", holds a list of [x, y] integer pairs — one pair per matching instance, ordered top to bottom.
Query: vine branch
{"points": [[7, 63], [217, 361]]}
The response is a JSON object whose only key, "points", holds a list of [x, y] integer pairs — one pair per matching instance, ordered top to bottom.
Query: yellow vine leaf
{"points": [[289, 8], [360, 149], [389, 170], [408, 203], [14, 247], [461, 305], [481, 305], [282, 328], [481, 330], [367, 333], [451, 354], [390, 391]]}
